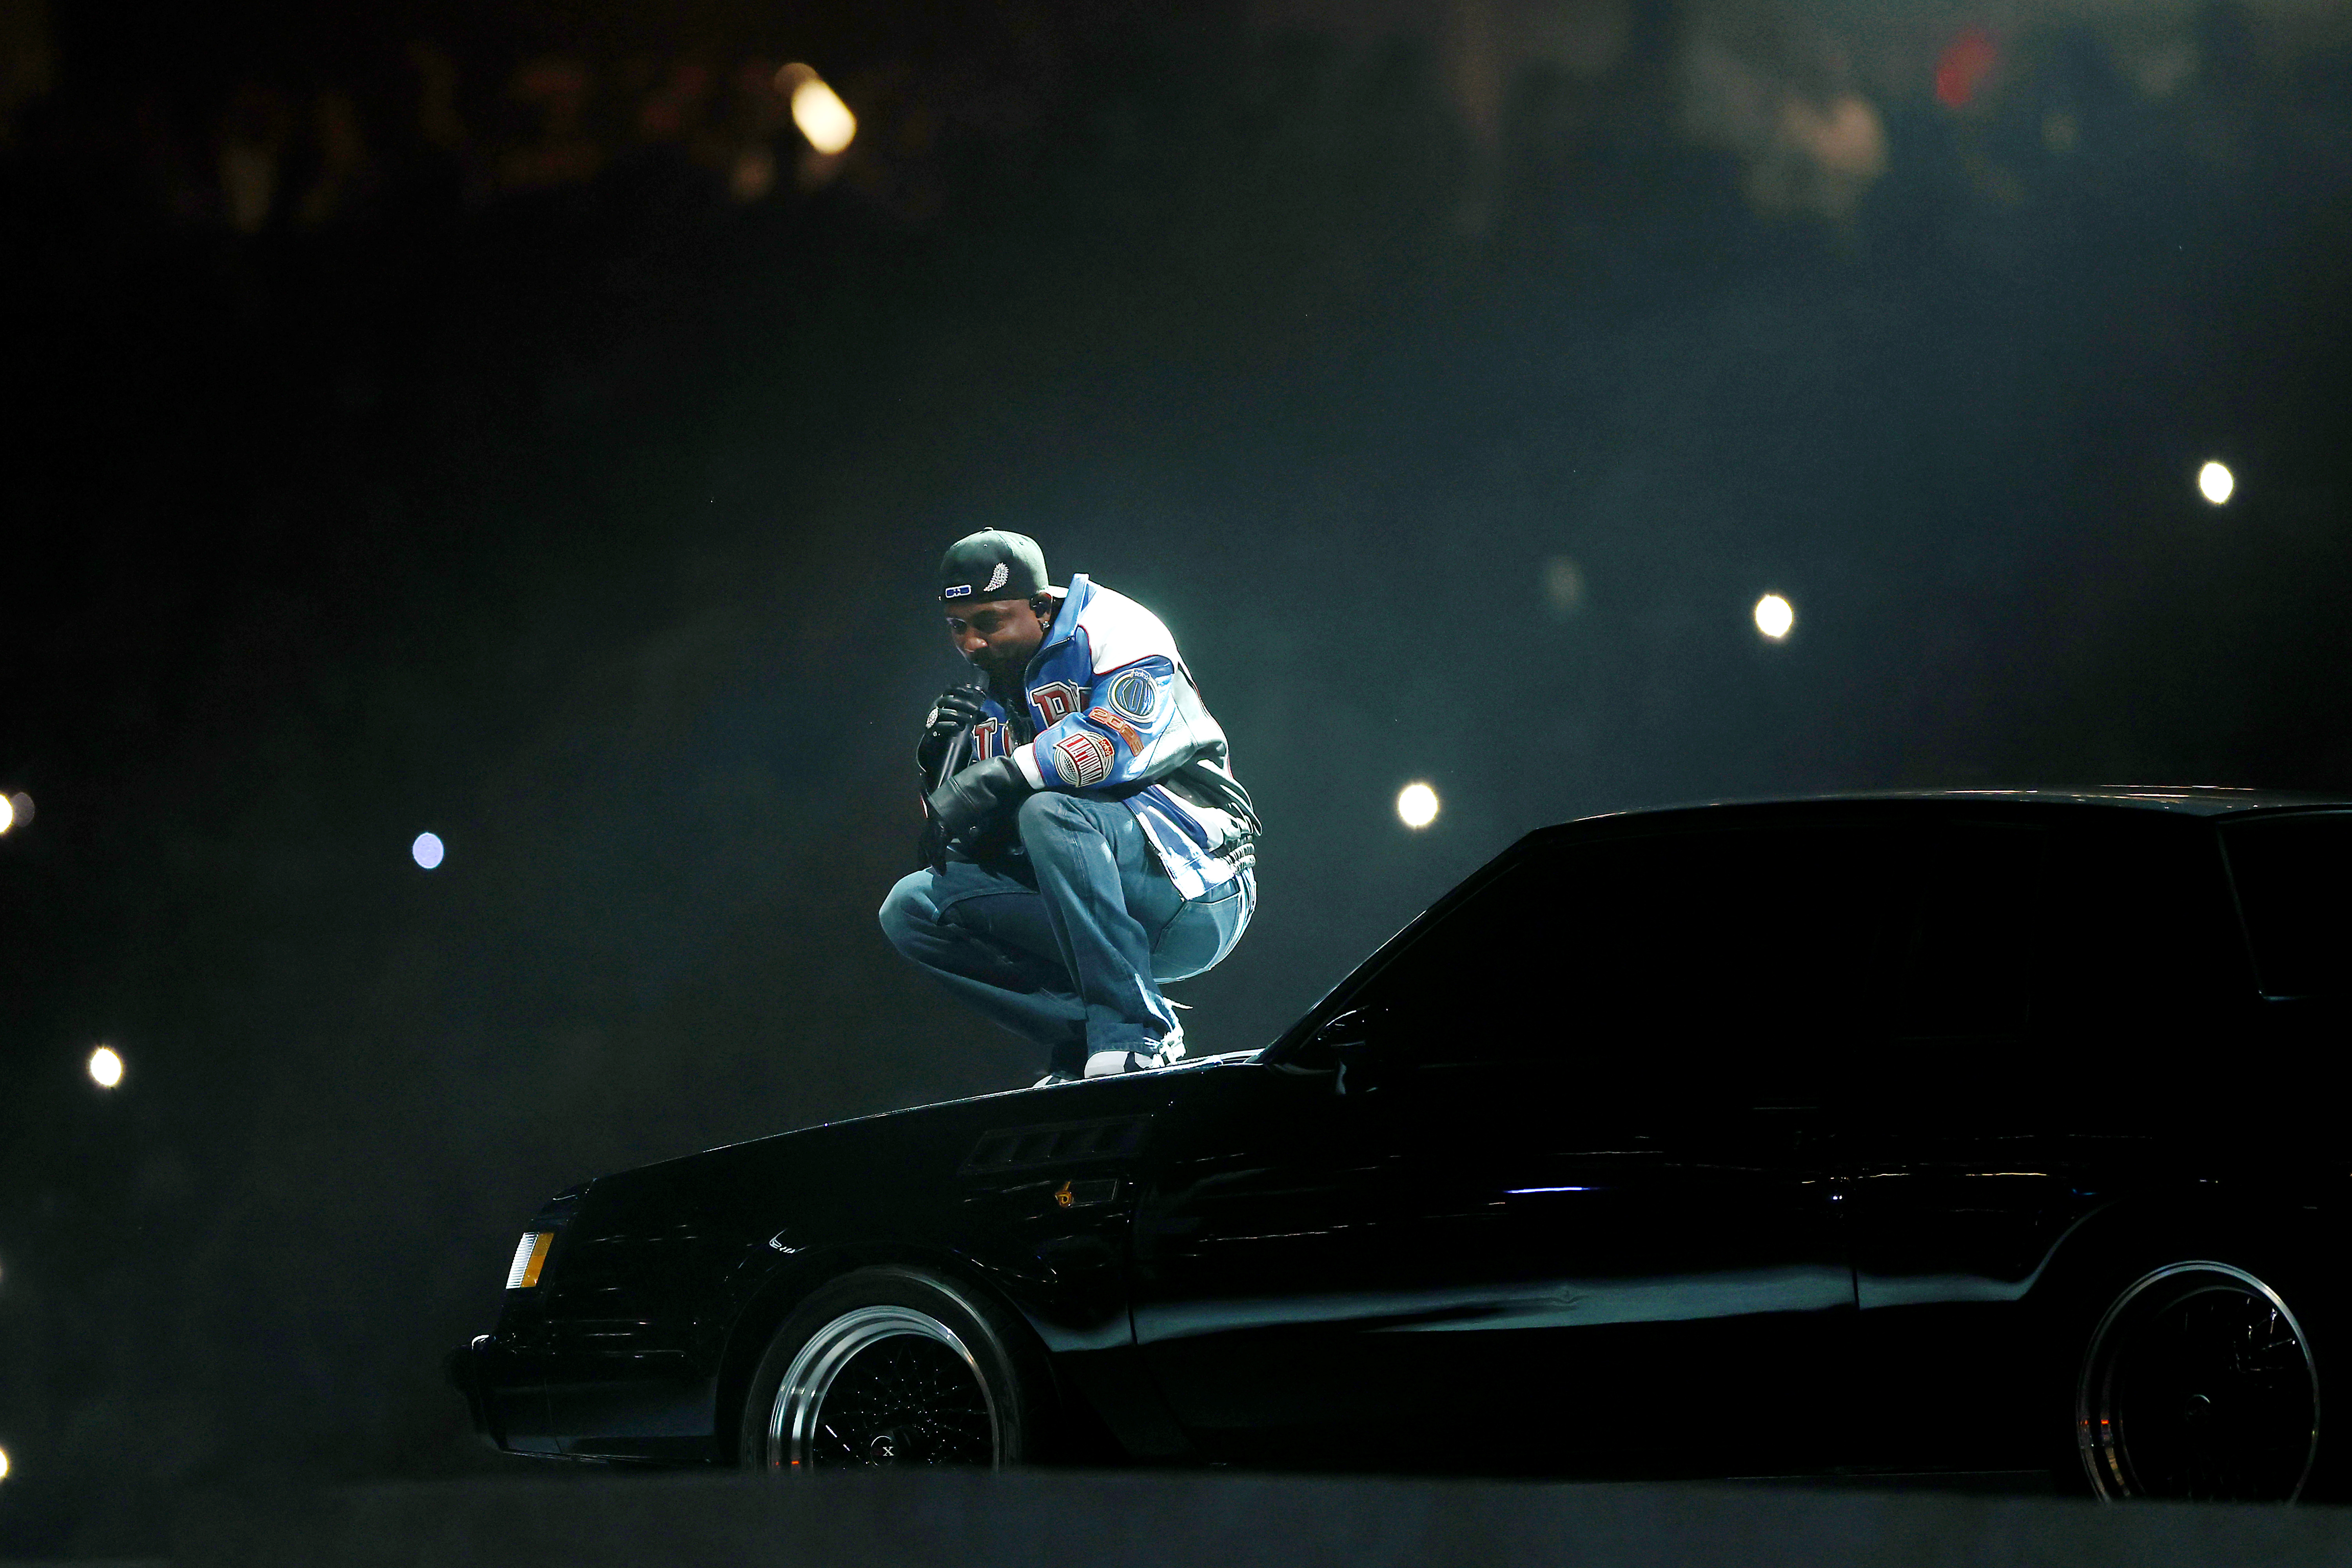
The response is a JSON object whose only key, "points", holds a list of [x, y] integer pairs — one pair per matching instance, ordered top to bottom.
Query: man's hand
{"points": [[958, 706], [966, 801]]}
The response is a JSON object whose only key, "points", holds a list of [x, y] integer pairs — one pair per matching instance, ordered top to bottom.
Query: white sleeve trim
{"points": [[1024, 757]]}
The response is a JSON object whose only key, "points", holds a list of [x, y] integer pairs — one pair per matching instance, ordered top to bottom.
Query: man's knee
{"points": [[1050, 807], [1049, 819], [908, 909]]}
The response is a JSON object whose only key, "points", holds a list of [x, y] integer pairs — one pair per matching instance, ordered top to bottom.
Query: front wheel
{"points": [[891, 1366], [2198, 1383]]}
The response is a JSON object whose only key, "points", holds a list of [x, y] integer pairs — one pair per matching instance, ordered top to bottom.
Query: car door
{"points": [[2066, 991], [1558, 1209]]}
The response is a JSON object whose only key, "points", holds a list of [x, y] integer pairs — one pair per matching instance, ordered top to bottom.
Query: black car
{"points": [[1974, 1130]]}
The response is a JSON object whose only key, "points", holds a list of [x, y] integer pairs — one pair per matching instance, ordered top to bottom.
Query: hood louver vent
{"points": [[1061, 1143]]}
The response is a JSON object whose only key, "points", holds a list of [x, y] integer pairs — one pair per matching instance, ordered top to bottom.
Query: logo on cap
{"points": [[996, 578], [956, 593]]}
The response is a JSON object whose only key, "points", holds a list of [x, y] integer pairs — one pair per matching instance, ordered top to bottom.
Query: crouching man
{"points": [[1084, 841]]}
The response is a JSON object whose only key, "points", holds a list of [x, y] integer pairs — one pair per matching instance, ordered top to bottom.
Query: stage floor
{"points": [[1213, 1519]]}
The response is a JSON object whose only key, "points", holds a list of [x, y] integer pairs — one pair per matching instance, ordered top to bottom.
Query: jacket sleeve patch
{"points": [[1135, 694], [1117, 726], [1082, 757]]}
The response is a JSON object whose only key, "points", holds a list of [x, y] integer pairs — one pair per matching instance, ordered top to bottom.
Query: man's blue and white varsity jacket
{"points": [[1107, 709]]}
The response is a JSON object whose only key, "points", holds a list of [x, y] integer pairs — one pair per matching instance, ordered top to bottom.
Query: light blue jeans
{"points": [[1069, 950]]}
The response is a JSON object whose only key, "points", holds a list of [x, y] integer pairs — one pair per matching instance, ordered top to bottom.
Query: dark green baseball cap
{"points": [[992, 564]]}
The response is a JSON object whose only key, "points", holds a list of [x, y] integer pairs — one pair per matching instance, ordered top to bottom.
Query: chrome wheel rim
{"points": [[2199, 1383], [883, 1386]]}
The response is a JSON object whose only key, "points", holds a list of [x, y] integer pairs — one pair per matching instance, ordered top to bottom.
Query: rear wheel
{"points": [[892, 1366], [2198, 1383]]}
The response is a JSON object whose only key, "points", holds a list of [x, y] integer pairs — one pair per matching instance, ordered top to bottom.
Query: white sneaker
{"points": [[1110, 1064]]}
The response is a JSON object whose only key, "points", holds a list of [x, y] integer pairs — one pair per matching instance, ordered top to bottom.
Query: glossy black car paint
{"points": [[1541, 1218]]}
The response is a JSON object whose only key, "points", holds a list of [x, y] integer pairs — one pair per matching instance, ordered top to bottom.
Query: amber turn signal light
{"points": [[530, 1255]]}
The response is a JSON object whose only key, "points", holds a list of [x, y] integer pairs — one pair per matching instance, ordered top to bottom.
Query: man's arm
{"points": [[953, 715], [1132, 732], [966, 802]]}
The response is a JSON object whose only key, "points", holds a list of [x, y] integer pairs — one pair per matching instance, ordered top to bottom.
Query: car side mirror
{"points": [[1355, 1043]]}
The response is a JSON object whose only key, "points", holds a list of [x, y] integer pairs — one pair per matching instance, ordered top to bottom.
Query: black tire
{"points": [[918, 1369], [2196, 1378]]}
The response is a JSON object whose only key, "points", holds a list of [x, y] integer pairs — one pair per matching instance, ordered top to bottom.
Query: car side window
{"points": [[2294, 878], [2141, 942], [1969, 952], [2031, 953], [1738, 962]]}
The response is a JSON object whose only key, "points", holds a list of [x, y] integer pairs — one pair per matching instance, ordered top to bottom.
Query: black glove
{"points": [[957, 709], [964, 803]]}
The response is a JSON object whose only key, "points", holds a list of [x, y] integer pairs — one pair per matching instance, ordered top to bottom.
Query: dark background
{"points": [[499, 422]]}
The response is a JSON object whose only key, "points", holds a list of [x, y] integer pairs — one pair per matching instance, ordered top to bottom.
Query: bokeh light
{"points": [[1962, 68], [817, 110], [2217, 482], [1563, 586], [1773, 616], [1417, 806], [7, 814], [426, 851], [105, 1067], [3, 1464]]}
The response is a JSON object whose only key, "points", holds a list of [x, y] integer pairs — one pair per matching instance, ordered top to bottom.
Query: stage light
{"points": [[817, 110], [2217, 482], [1773, 616], [1417, 806], [7, 814], [426, 851], [105, 1067], [3, 1464]]}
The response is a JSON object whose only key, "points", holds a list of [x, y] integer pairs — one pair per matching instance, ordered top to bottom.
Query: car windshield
{"points": [[2293, 874]]}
